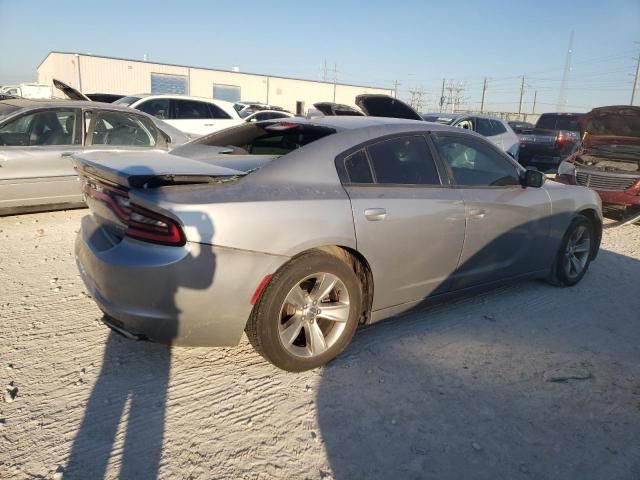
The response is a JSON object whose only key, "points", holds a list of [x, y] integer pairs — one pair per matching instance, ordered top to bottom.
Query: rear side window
{"points": [[217, 112], [404, 160], [357, 167]]}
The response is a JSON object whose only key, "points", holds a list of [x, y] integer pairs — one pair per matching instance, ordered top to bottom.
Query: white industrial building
{"points": [[98, 74]]}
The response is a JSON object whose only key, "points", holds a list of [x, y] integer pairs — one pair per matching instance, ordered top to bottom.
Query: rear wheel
{"points": [[574, 255], [307, 313]]}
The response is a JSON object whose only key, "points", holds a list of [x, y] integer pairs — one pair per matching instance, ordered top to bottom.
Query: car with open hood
{"points": [[607, 159], [296, 231]]}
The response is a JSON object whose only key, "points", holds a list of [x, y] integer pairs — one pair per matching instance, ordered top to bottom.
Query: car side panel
{"points": [[31, 176], [414, 250]]}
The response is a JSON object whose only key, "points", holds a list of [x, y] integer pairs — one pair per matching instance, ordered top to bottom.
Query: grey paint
{"points": [[430, 241]]}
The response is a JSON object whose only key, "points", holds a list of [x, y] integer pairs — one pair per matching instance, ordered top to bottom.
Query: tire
{"points": [[565, 272], [275, 318]]}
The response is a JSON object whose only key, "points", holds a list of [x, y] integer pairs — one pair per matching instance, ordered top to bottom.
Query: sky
{"points": [[416, 43]]}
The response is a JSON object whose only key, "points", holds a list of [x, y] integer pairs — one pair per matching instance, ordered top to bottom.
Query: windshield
{"points": [[126, 101], [6, 110], [265, 138]]}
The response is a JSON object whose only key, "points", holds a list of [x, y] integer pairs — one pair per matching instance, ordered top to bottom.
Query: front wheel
{"points": [[574, 255], [307, 313]]}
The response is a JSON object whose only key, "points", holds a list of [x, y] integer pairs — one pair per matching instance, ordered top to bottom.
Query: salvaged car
{"points": [[34, 135], [608, 158], [296, 231]]}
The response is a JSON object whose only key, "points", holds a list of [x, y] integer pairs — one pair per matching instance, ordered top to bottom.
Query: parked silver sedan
{"points": [[34, 134], [296, 231]]}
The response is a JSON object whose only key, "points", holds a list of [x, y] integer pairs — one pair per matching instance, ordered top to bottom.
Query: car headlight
{"points": [[566, 168]]}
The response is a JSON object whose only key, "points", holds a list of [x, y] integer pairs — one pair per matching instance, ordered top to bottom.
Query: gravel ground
{"points": [[529, 381]]}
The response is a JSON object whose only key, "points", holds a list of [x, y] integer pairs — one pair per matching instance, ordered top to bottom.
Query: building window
{"points": [[162, 83], [230, 93]]}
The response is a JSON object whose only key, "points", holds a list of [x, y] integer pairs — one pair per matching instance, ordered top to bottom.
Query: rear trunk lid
{"points": [[69, 91], [386, 106], [150, 169]]}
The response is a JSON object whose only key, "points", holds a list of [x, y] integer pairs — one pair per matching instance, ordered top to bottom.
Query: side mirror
{"points": [[533, 178]]}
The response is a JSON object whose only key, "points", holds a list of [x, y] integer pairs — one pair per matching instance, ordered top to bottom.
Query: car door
{"points": [[32, 169], [408, 224], [507, 224]]}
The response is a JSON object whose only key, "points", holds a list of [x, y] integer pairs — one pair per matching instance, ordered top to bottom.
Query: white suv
{"points": [[192, 115]]}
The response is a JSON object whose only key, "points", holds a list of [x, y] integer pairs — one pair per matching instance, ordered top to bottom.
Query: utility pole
{"points": [[324, 71], [335, 80], [635, 81], [395, 88], [484, 89], [521, 95], [535, 97], [562, 97], [442, 99]]}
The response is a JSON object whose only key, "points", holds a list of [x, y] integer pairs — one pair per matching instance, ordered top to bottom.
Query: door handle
{"points": [[476, 213], [375, 214]]}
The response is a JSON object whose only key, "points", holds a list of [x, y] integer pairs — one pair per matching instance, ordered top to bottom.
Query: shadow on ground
{"points": [[465, 390]]}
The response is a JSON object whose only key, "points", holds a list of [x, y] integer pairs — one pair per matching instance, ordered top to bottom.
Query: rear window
{"points": [[6, 110], [559, 122], [265, 139]]}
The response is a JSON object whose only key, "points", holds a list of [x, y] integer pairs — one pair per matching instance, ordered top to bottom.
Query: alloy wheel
{"points": [[577, 251], [313, 315]]}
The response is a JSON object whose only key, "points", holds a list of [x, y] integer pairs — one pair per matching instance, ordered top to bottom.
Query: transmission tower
{"points": [[455, 96], [562, 97], [417, 98]]}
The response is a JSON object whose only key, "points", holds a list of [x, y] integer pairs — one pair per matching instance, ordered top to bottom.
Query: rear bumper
{"points": [[194, 295]]}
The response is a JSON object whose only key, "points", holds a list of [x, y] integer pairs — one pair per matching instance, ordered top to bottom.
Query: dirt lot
{"points": [[529, 381]]}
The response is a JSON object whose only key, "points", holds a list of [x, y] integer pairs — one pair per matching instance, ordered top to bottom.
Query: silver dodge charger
{"points": [[297, 231]]}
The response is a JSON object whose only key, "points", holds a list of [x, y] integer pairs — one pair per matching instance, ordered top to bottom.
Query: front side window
{"points": [[158, 107], [190, 110], [56, 127], [122, 129], [403, 160], [473, 163]]}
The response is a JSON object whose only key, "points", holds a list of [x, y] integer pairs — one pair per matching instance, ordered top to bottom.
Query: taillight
{"points": [[141, 223], [152, 227]]}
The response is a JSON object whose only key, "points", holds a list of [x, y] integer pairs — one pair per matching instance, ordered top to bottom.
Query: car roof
{"points": [[180, 96], [54, 103], [359, 122]]}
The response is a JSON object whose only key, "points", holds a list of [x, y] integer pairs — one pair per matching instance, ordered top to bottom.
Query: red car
{"points": [[608, 158]]}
